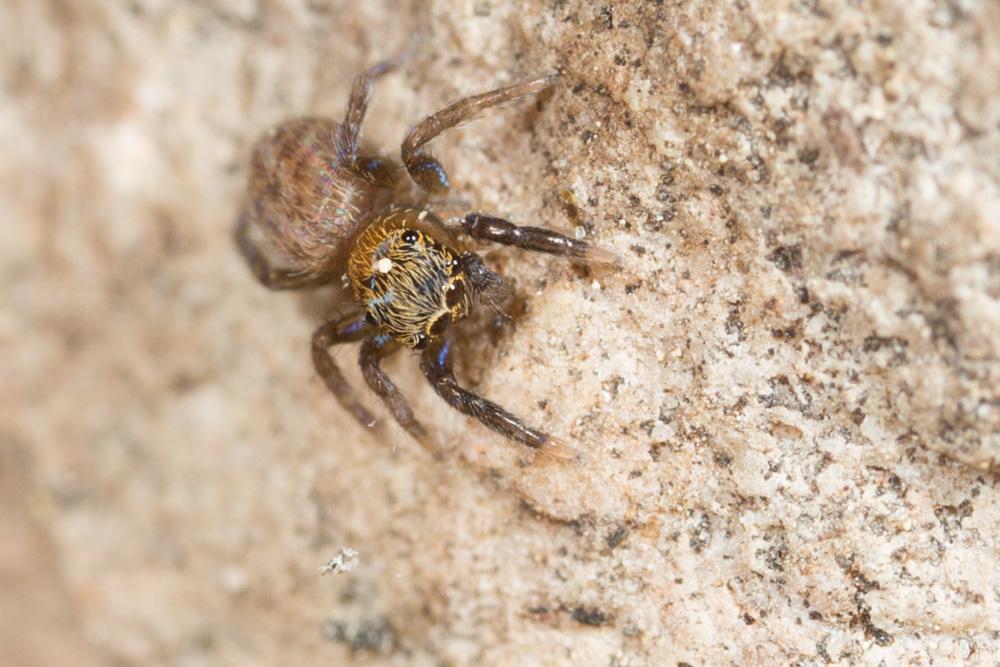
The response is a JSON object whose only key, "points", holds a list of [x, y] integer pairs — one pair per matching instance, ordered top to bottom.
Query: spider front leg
{"points": [[426, 171], [498, 230], [267, 275], [336, 332], [373, 350], [436, 364]]}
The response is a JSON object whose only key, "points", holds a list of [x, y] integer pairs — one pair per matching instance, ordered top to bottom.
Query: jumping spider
{"points": [[326, 207]]}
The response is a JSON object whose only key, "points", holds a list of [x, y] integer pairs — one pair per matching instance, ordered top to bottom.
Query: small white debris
{"points": [[579, 232], [384, 265], [595, 285], [661, 355], [662, 432], [344, 560], [234, 580]]}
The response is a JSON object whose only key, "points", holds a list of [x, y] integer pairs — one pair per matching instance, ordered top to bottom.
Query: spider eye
{"points": [[410, 236], [455, 295], [369, 318], [440, 324], [421, 342]]}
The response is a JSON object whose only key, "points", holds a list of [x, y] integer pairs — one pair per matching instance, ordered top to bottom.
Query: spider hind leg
{"points": [[357, 105], [269, 276]]}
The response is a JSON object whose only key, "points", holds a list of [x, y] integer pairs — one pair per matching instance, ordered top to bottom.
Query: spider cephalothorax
{"points": [[331, 213], [410, 280]]}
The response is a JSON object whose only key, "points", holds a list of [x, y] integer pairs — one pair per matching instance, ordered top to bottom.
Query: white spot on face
{"points": [[384, 265]]}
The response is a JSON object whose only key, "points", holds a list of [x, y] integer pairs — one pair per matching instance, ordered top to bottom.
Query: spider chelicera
{"points": [[331, 213]]}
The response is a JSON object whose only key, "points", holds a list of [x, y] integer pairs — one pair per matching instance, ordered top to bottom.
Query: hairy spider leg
{"points": [[357, 105], [424, 169], [498, 230], [267, 275], [338, 331], [373, 350], [436, 364]]}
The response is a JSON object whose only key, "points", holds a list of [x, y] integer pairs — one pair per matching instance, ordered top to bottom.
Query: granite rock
{"points": [[788, 397]]}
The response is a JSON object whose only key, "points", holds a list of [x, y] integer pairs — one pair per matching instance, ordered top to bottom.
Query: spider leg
{"points": [[357, 105], [426, 171], [498, 230], [268, 276], [348, 329], [373, 350], [436, 364]]}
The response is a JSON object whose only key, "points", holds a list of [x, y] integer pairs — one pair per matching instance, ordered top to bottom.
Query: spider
{"points": [[329, 210]]}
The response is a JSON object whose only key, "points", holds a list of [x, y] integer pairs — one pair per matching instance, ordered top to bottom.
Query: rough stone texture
{"points": [[789, 399]]}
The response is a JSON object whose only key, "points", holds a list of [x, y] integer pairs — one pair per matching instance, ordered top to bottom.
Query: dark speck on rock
{"points": [[787, 258], [616, 537], [589, 616]]}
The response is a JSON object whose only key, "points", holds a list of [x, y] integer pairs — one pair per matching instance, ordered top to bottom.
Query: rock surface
{"points": [[788, 399]]}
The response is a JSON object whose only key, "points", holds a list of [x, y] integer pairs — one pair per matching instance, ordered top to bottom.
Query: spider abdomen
{"points": [[310, 199]]}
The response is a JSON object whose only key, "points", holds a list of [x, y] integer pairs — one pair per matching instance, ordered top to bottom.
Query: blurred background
{"points": [[788, 398]]}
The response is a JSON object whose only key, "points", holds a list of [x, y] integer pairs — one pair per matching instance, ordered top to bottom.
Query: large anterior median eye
{"points": [[455, 295], [440, 324]]}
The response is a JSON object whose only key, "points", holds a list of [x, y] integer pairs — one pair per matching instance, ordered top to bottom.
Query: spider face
{"points": [[329, 211], [410, 280]]}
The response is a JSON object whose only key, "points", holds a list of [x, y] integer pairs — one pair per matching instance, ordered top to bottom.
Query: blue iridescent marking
{"points": [[439, 171], [381, 300], [355, 326], [442, 357]]}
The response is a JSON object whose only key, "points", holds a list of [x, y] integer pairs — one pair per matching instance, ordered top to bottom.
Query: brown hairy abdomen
{"points": [[307, 198]]}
